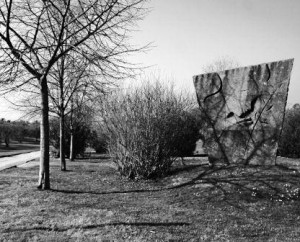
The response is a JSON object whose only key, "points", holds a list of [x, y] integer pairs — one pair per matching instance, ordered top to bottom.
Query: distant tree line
{"points": [[18, 131], [289, 143]]}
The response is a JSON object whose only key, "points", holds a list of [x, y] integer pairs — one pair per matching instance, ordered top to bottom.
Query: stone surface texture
{"points": [[244, 111]]}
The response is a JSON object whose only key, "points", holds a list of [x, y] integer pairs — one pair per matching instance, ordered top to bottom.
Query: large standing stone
{"points": [[244, 110]]}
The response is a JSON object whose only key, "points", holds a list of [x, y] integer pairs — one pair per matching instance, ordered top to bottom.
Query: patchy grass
{"points": [[91, 202]]}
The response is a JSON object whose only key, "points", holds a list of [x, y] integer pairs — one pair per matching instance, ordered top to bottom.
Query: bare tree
{"points": [[36, 34], [220, 64], [70, 76], [71, 87], [81, 114]]}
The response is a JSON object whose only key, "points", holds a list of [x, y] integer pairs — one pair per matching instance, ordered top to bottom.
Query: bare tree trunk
{"points": [[62, 116], [36, 131], [72, 133], [6, 140], [62, 142], [72, 145], [44, 173]]}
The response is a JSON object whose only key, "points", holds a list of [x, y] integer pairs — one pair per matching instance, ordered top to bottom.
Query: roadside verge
{"points": [[8, 162]]}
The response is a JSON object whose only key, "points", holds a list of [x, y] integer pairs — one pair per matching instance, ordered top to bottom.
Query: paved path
{"points": [[7, 162]]}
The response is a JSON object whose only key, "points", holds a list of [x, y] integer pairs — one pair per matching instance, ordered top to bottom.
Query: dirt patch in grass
{"points": [[91, 202]]}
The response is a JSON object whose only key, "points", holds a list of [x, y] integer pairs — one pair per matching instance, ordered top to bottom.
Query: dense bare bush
{"points": [[145, 128], [289, 144]]}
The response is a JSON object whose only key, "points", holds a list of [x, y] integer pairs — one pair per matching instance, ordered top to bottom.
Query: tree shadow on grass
{"points": [[93, 157], [186, 168], [175, 171], [206, 172], [231, 183], [248, 183], [106, 192], [94, 226]]}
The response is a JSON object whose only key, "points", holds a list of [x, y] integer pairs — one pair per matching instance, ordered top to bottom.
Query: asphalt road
{"points": [[7, 162]]}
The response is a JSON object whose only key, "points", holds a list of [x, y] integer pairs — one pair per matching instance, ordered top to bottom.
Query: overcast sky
{"points": [[189, 34]]}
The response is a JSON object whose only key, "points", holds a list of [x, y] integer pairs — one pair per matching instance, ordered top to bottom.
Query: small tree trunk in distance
{"points": [[62, 115], [36, 131], [72, 133], [6, 140], [62, 142], [72, 145], [182, 161], [44, 173]]}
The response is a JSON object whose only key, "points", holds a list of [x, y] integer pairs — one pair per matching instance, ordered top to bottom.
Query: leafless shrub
{"points": [[145, 128]]}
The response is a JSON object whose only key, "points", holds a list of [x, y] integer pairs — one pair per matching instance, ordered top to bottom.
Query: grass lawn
{"points": [[15, 148], [91, 202]]}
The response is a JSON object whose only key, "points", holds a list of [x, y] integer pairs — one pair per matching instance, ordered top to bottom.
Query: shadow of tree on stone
{"points": [[243, 111]]}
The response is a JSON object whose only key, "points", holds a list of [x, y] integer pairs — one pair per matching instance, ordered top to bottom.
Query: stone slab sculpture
{"points": [[243, 109]]}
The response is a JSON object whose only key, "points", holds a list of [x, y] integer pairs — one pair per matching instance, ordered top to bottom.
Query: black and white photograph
{"points": [[149, 120]]}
